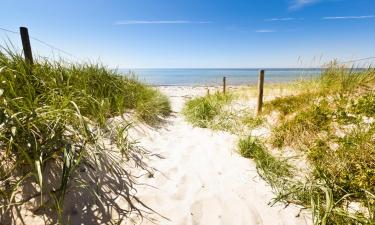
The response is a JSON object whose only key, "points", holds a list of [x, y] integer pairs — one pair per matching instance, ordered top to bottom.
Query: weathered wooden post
{"points": [[26, 45], [224, 84], [260, 94]]}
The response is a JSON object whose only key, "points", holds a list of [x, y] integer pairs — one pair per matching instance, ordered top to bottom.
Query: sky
{"points": [[195, 33]]}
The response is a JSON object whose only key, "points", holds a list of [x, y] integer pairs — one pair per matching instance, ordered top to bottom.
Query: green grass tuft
{"points": [[201, 111], [272, 169]]}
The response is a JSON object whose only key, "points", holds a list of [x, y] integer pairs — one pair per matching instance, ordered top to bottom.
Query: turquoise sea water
{"points": [[210, 77]]}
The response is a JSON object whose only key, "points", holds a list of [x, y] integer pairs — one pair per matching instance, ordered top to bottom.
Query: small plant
{"points": [[201, 111], [249, 147]]}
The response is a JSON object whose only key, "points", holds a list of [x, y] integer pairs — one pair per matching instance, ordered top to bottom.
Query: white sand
{"points": [[202, 180]]}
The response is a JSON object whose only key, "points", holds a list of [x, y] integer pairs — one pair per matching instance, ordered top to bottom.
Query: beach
{"points": [[187, 112], [187, 175], [200, 178]]}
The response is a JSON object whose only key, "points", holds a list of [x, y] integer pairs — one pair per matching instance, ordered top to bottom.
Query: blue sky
{"points": [[197, 33]]}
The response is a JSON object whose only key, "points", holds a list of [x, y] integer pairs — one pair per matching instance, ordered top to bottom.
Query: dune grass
{"points": [[289, 104], [201, 111], [214, 112], [53, 117], [330, 120], [302, 128], [334, 128], [272, 169]]}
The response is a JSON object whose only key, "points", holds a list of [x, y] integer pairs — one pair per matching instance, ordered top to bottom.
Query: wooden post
{"points": [[26, 45], [224, 84], [260, 94]]}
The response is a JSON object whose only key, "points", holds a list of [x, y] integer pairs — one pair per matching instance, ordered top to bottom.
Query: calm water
{"points": [[190, 77]]}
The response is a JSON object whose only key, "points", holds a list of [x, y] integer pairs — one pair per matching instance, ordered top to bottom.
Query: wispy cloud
{"points": [[298, 4], [347, 17], [283, 19], [140, 22], [265, 31]]}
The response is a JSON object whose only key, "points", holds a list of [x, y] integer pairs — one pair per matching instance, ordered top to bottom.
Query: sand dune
{"points": [[201, 179]]}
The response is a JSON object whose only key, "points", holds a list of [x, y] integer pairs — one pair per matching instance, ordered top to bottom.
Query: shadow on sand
{"points": [[102, 190]]}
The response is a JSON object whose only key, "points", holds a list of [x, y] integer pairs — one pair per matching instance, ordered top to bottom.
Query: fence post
{"points": [[26, 45], [224, 84], [260, 94]]}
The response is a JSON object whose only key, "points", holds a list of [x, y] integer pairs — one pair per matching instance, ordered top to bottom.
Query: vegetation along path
{"points": [[202, 180]]}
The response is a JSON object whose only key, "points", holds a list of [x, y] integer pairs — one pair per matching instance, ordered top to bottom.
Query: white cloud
{"points": [[298, 4], [347, 17], [283, 19], [137, 22], [265, 31]]}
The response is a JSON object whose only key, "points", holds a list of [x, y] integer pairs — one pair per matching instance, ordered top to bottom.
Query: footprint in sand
{"points": [[205, 182]]}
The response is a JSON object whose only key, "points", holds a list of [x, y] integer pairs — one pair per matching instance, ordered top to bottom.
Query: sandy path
{"points": [[202, 180]]}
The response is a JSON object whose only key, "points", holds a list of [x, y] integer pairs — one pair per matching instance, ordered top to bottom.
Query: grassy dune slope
{"points": [[53, 122], [331, 122]]}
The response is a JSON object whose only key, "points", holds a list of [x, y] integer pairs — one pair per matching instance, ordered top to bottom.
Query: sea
{"points": [[213, 77]]}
